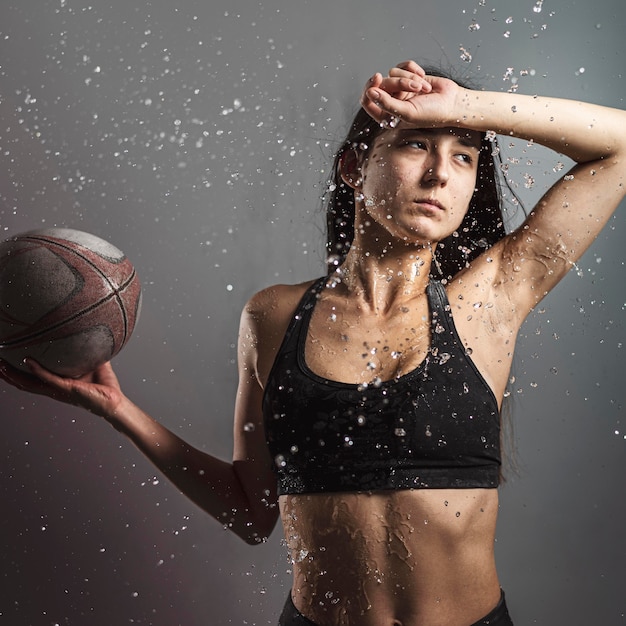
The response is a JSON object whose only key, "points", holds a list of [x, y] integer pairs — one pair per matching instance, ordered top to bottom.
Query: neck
{"points": [[387, 279]]}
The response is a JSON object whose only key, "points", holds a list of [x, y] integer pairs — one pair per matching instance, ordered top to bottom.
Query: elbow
{"points": [[257, 531], [256, 536]]}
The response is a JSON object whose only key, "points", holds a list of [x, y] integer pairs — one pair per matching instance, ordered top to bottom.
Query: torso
{"points": [[397, 558], [403, 558]]}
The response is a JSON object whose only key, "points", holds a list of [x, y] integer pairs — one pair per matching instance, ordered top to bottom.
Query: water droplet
{"points": [[465, 55], [248, 427], [400, 432], [280, 461], [301, 555]]}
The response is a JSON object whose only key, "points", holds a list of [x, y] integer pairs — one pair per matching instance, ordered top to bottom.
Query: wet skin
{"points": [[412, 557], [397, 558], [390, 559]]}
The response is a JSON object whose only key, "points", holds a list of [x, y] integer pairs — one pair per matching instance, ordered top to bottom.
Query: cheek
{"points": [[382, 181], [463, 196]]}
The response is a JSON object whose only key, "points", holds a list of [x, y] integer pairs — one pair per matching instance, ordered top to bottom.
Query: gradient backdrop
{"points": [[196, 135]]}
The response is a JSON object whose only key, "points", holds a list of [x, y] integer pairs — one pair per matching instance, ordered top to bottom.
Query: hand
{"points": [[409, 97], [98, 392]]}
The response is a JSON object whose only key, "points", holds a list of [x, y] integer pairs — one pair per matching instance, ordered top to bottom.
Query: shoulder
{"points": [[274, 304], [264, 322]]}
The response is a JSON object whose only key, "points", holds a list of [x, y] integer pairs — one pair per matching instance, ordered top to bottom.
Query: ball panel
{"points": [[101, 247], [104, 258], [34, 281], [66, 305], [77, 345], [72, 355]]}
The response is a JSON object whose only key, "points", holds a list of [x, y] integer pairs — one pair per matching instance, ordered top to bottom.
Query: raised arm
{"points": [[531, 260], [240, 495]]}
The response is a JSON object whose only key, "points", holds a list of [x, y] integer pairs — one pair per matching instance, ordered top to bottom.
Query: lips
{"points": [[431, 203]]}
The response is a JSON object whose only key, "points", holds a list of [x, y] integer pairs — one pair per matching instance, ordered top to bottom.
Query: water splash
{"points": [[465, 56]]}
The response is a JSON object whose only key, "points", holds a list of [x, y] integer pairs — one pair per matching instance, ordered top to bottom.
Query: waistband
{"points": [[499, 616]]}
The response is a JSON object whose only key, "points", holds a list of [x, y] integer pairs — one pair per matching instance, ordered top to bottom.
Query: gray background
{"points": [[196, 136]]}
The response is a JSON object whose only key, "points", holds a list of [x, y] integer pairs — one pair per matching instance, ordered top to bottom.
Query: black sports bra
{"points": [[437, 426]]}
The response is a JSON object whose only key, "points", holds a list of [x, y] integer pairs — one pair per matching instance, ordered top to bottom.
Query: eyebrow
{"points": [[463, 139]]}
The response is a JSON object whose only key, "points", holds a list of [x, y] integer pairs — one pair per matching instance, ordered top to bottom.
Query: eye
{"points": [[415, 143], [465, 157]]}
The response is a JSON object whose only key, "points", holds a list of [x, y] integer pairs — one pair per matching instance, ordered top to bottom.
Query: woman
{"points": [[373, 395]]}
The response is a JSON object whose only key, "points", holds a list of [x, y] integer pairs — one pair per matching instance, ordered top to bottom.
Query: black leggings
{"points": [[498, 617]]}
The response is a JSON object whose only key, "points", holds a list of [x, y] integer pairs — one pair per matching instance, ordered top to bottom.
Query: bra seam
{"points": [[448, 320]]}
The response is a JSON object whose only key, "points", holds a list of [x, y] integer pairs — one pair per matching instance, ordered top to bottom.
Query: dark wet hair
{"points": [[482, 226]]}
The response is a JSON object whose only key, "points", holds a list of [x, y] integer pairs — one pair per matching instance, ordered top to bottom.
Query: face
{"points": [[418, 183]]}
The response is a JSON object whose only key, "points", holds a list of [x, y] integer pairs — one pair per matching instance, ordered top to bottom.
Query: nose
{"points": [[437, 172]]}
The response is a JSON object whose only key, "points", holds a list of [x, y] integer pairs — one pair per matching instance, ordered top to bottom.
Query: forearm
{"points": [[582, 131], [211, 483]]}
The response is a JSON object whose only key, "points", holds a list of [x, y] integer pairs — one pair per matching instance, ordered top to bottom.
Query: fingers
{"points": [[413, 67], [409, 70], [403, 82], [407, 84], [379, 89], [393, 99], [381, 100], [381, 106], [41, 372], [104, 375], [22, 380], [98, 391]]}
